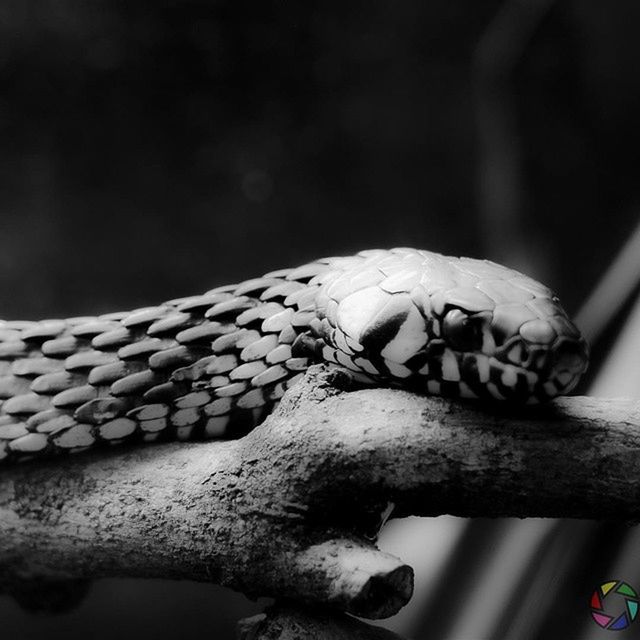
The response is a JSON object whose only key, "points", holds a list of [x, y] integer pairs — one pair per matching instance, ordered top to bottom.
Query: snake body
{"points": [[214, 365]]}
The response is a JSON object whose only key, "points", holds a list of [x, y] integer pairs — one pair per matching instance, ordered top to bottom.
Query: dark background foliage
{"points": [[155, 149]]}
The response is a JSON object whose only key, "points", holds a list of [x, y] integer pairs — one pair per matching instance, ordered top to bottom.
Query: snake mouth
{"points": [[505, 359], [566, 363], [520, 368], [517, 372]]}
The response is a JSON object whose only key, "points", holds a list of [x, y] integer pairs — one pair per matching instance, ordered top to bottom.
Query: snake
{"points": [[215, 365]]}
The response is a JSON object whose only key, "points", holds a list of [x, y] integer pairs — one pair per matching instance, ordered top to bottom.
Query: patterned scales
{"points": [[215, 365]]}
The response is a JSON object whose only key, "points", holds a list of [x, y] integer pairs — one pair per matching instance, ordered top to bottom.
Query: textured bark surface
{"points": [[291, 509]]}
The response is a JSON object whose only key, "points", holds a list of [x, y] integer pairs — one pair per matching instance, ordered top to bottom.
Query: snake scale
{"points": [[214, 365]]}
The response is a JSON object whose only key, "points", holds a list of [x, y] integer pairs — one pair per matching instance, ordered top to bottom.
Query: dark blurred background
{"points": [[152, 149], [156, 149]]}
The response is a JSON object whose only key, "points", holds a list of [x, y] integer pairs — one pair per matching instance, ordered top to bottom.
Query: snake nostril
{"points": [[570, 355]]}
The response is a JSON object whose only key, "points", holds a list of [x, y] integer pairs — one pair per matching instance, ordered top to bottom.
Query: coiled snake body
{"points": [[214, 365]]}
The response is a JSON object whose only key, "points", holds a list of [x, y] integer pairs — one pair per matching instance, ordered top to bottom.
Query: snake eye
{"points": [[462, 332]]}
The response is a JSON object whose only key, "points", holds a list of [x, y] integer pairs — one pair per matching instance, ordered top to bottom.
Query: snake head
{"points": [[451, 326], [521, 348]]}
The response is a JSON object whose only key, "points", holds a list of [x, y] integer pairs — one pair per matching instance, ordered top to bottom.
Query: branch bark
{"points": [[292, 509]]}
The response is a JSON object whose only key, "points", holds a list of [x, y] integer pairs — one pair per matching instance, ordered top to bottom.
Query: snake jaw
{"points": [[569, 360]]}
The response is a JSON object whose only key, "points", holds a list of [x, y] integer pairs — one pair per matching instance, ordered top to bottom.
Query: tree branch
{"points": [[291, 509]]}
